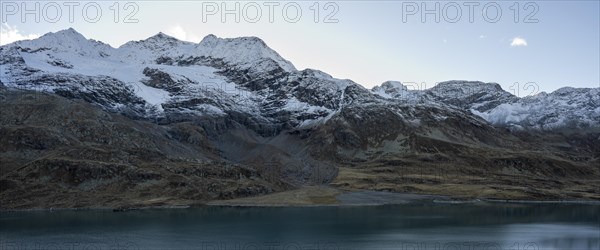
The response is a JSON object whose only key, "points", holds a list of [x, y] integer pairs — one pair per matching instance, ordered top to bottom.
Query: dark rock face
{"points": [[192, 60], [60, 63], [252, 79], [160, 80]]}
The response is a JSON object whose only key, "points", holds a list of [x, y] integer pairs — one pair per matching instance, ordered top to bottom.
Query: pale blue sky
{"points": [[370, 43]]}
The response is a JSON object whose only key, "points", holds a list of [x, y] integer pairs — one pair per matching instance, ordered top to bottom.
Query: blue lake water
{"points": [[412, 226]]}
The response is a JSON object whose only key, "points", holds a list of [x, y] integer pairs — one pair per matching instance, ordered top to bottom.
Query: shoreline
{"points": [[310, 197], [555, 202], [587, 202], [112, 209]]}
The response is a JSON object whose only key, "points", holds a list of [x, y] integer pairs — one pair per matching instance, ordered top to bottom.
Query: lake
{"points": [[414, 226]]}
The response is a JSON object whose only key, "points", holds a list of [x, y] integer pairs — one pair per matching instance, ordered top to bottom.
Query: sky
{"points": [[527, 47]]}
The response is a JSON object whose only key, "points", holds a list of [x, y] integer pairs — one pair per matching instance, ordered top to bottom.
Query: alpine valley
{"points": [[163, 122]]}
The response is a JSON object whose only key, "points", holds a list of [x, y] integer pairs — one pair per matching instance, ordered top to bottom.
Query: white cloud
{"points": [[180, 33], [9, 34], [481, 36], [518, 41]]}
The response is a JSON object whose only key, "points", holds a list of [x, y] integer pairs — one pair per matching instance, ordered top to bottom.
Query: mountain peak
{"points": [[69, 30], [66, 34], [162, 35], [161, 38], [210, 38], [67, 41], [247, 41], [160, 42], [242, 50], [461, 82], [393, 85], [468, 86], [391, 89], [564, 90], [571, 91]]}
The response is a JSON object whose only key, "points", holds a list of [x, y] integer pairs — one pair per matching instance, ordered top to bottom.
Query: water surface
{"points": [[411, 226]]}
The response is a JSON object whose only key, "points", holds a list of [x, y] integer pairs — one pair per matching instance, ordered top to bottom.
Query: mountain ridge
{"points": [[252, 58], [239, 103]]}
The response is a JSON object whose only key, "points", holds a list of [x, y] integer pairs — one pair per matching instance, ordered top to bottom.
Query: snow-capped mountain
{"points": [[162, 77], [166, 79], [397, 90], [478, 96], [564, 108], [162, 120]]}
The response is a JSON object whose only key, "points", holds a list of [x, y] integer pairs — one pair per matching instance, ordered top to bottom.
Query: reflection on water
{"points": [[411, 227]]}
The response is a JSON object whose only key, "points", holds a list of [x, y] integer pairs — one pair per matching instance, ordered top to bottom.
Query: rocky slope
{"points": [[228, 118], [58, 152]]}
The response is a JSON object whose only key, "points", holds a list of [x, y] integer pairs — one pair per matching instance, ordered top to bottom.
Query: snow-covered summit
{"points": [[65, 41], [157, 43], [241, 50], [389, 89], [467, 95], [476, 95], [564, 108]]}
